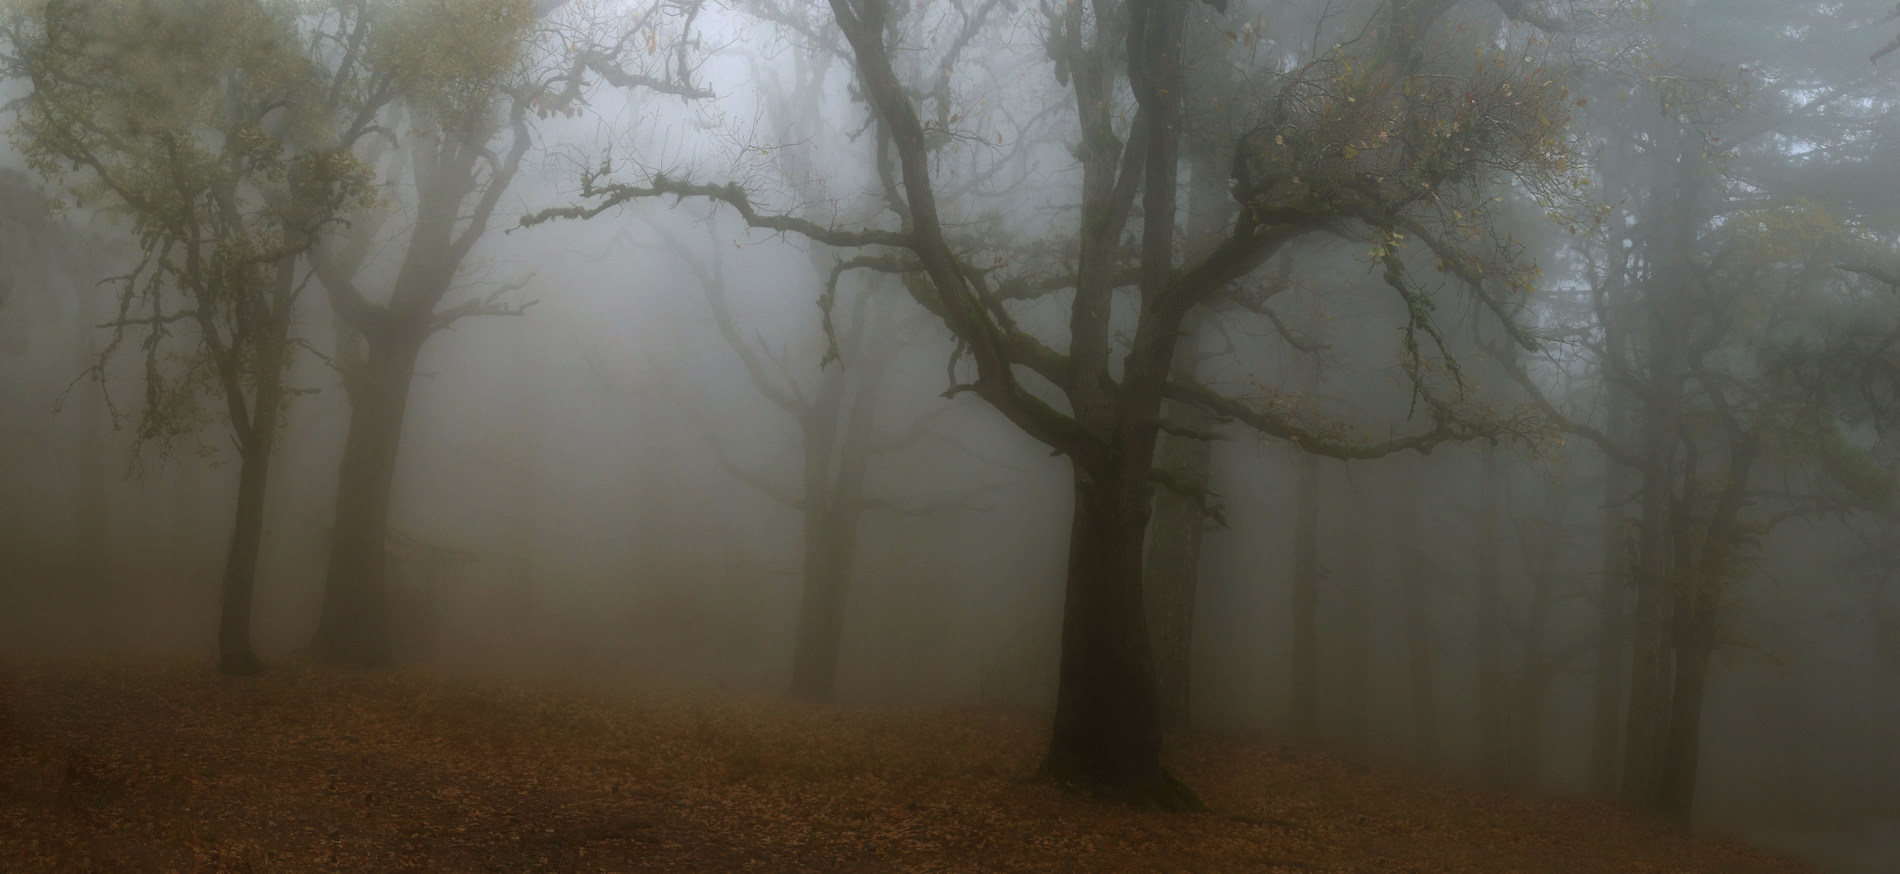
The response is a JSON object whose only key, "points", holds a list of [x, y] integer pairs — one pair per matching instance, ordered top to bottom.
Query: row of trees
{"points": [[253, 147], [1687, 265], [1708, 323]]}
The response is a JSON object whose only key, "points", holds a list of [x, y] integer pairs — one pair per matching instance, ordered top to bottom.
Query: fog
{"points": [[1561, 466]]}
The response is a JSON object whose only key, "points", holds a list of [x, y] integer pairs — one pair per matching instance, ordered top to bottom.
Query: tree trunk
{"points": [[1669, 314], [257, 442], [92, 512], [831, 518], [1174, 551], [1306, 572], [1414, 577], [1698, 598], [822, 605], [353, 629], [1355, 640], [235, 655], [1533, 683], [1648, 693], [1607, 696], [1107, 734], [1494, 754], [1681, 758]]}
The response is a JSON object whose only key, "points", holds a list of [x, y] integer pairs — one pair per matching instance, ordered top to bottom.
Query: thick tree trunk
{"points": [[834, 488], [830, 533], [1176, 534], [1174, 551], [1174, 566], [1305, 598], [353, 629], [1107, 734], [1494, 754], [1681, 759]]}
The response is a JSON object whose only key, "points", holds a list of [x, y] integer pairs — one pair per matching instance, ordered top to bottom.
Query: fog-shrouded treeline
{"points": [[1499, 389]]}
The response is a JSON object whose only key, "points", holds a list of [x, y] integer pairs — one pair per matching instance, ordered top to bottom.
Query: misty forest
{"points": [[981, 435]]}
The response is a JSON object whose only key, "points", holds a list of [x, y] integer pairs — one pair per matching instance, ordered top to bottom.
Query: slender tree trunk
{"points": [[1669, 312], [257, 445], [91, 513], [525, 530], [1414, 578], [1698, 598], [1305, 605], [353, 629], [1355, 640], [235, 655], [1533, 683], [1607, 696], [1107, 733], [1642, 751], [1494, 753]]}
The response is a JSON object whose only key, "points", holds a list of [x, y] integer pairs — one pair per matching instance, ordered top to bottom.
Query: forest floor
{"points": [[115, 766]]}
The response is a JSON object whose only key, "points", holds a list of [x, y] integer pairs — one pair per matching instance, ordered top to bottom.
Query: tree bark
{"points": [[1669, 313], [257, 443], [91, 513], [1179, 527], [829, 530], [1174, 550], [1173, 572], [1413, 575], [1354, 586], [1305, 598], [1698, 598], [822, 604], [353, 628], [235, 655], [1533, 684], [1607, 696], [1107, 733], [1682, 746]]}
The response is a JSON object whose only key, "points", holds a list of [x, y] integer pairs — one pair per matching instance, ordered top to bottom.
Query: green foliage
{"points": [[452, 60], [205, 125]]}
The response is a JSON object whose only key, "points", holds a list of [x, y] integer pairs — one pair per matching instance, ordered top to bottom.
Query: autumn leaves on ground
{"points": [[128, 766]]}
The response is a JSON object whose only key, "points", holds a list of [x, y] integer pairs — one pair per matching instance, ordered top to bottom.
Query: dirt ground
{"points": [[163, 766]]}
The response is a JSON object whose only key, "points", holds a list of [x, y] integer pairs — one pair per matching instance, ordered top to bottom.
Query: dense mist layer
{"points": [[1496, 390]]}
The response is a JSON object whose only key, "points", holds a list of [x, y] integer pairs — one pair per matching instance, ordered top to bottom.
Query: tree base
{"points": [[239, 664], [1166, 793]]}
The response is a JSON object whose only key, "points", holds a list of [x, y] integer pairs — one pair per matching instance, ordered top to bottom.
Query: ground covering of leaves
{"points": [[152, 766]]}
